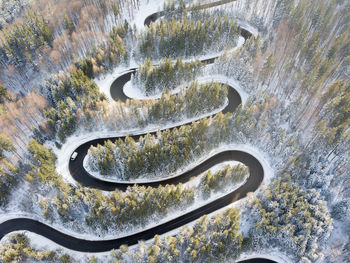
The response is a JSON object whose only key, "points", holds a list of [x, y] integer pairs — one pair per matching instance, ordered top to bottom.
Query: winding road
{"points": [[83, 177]]}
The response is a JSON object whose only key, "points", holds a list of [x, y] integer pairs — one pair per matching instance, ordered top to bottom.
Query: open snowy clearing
{"points": [[146, 9]]}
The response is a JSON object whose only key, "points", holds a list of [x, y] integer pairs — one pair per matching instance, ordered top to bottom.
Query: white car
{"points": [[74, 155]]}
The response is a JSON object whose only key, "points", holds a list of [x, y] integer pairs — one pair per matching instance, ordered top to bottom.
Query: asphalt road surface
{"points": [[83, 177]]}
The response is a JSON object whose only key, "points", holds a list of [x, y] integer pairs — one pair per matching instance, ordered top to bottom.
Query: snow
{"points": [[146, 9], [245, 25], [106, 81], [229, 81], [104, 84], [134, 92], [74, 141], [243, 147], [261, 157], [268, 175], [195, 181], [198, 202], [240, 204], [172, 214], [57, 226], [339, 236], [41, 243], [274, 255]]}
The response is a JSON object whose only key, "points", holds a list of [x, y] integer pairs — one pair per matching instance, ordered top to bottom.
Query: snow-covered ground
{"points": [[146, 8], [245, 25], [229, 81], [104, 82], [134, 92], [74, 141], [268, 174], [145, 179], [195, 181], [240, 204], [128, 230], [338, 237], [41, 243], [274, 255]]}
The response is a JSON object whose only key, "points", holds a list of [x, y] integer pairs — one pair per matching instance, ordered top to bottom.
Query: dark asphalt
{"points": [[81, 175], [253, 182], [257, 260]]}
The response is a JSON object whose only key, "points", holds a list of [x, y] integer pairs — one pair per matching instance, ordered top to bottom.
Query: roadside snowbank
{"points": [[146, 9], [229, 81], [105, 82], [134, 92], [74, 141], [268, 174], [240, 204], [130, 229], [41, 243], [274, 255]]}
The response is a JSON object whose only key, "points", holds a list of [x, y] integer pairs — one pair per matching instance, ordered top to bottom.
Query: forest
{"points": [[188, 37], [38, 43], [292, 73], [152, 80], [152, 154], [100, 212]]}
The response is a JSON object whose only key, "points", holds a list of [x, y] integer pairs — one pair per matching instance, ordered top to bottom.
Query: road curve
{"points": [[153, 17], [80, 174], [253, 182], [257, 260]]}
